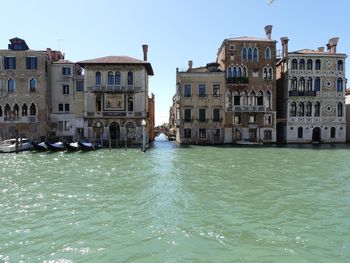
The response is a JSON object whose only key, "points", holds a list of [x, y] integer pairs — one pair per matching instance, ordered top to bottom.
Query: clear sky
{"points": [[176, 31]]}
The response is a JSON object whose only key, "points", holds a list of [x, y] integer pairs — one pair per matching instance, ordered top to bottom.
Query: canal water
{"points": [[177, 204]]}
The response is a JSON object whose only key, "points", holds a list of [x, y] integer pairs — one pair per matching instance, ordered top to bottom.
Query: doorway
{"points": [[114, 133], [316, 134]]}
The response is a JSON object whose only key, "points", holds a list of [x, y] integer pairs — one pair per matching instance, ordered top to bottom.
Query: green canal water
{"points": [[177, 204]]}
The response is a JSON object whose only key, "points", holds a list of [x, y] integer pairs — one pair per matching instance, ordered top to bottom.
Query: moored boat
{"points": [[10, 145], [85, 145], [56, 146], [72, 146], [41, 147]]}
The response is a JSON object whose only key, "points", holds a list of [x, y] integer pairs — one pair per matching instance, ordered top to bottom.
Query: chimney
{"points": [[268, 30], [284, 41], [332, 45], [320, 49], [145, 51], [190, 64]]}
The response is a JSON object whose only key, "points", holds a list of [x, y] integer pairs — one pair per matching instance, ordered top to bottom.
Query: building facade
{"points": [[24, 77], [250, 88], [311, 95], [116, 100], [66, 101], [198, 105]]}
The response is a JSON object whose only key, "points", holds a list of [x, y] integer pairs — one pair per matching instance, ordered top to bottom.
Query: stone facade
{"points": [[24, 77], [250, 95], [311, 95], [116, 100], [198, 105]]}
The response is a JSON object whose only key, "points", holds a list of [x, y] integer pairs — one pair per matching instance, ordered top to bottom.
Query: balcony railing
{"points": [[238, 80], [112, 88], [310, 93], [249, 108], [19, 119]]}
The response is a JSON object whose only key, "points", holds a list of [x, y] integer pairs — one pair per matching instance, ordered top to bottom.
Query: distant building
{"points": [[24, 78], [250, 88], [311, 95], [116, 99], [66, 101], [198, 105], [347, 106]]}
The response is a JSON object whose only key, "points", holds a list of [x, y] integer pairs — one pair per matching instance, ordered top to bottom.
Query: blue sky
{"points": [[176, 31]]}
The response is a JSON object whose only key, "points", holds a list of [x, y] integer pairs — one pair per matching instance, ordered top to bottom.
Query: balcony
{"points": [[238, 80], [112, 88], [295, 93], [247, 108], [20, 119]]}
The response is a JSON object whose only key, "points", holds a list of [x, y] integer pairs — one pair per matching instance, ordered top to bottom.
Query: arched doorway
{"points": [[98, 132], [114, 133], [316, 134]]}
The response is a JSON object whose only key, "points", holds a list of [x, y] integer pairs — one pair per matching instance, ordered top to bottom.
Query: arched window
{"points": [[244, 53], [267, 53], [250, 55], [255, 55], [294, 64], [302, 64], [309, 64], [318, 64], [340, 65], [229, 72], [234, 72], [239, 72], [244, 72], [265, 73], [269, 74], [98, 78], [110, 78], [130, 78], [117, 79], [294, 84], [301, 84], [309, 84], [11, 85], [32, 85], [339, 85], [317, 86], [236, 98], [244, 98], [252, 98], [260, 99], [268, 99], [130, 103], [98, 104], [293, 109], [301, 109], [308, 109], [317, 109], [340, 109], [7, 110], [16, 110], [24, 110], [32, 110], [0, 111], [300, 132], [332, 132]]}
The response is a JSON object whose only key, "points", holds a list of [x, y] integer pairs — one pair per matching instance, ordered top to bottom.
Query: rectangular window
{"points": [[32, 62], [10, 63], [66, 71], [80, 85], [66, 89], [187, 90], [201, 90], [216, 90], [237, 100], [60, 107], [66, 107], [188, 114], [202, 114], [216, 114], [237, 119], [252, 119], [268, 119], [60, 125], [66, 125], [187, 133], [202, 133], [267, 135]]}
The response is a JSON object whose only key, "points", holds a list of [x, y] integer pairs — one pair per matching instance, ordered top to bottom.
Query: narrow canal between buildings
{"points": [[177, 204]]}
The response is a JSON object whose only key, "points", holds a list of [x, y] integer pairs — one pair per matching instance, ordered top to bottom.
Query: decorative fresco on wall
{"points": [[114, 102]]}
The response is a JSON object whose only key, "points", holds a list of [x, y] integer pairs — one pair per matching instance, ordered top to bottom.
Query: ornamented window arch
{"points": [[244, 53], [250, 53], [267, 53], [255, 54], [294, 64], [302, 64], [309, 64], [318, 64], [340, 65], [229, 72], [234, 72], [239, 72], [244, 72], [265, 73], [269, 73], [98, 78], [117, 78], [130, 78], [110, 80], [294, 84], [301, 84], [309, 84], [11, 85], [32, 85], [339, 85], [317, 86], [236, 98], [252, 98], [260, 99], [268, 99], [293, 109], [301, 109], [308, 109], [317, 109], [340, 109], [7, 110], [16, 110], [24, 110], [32, 110]]}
